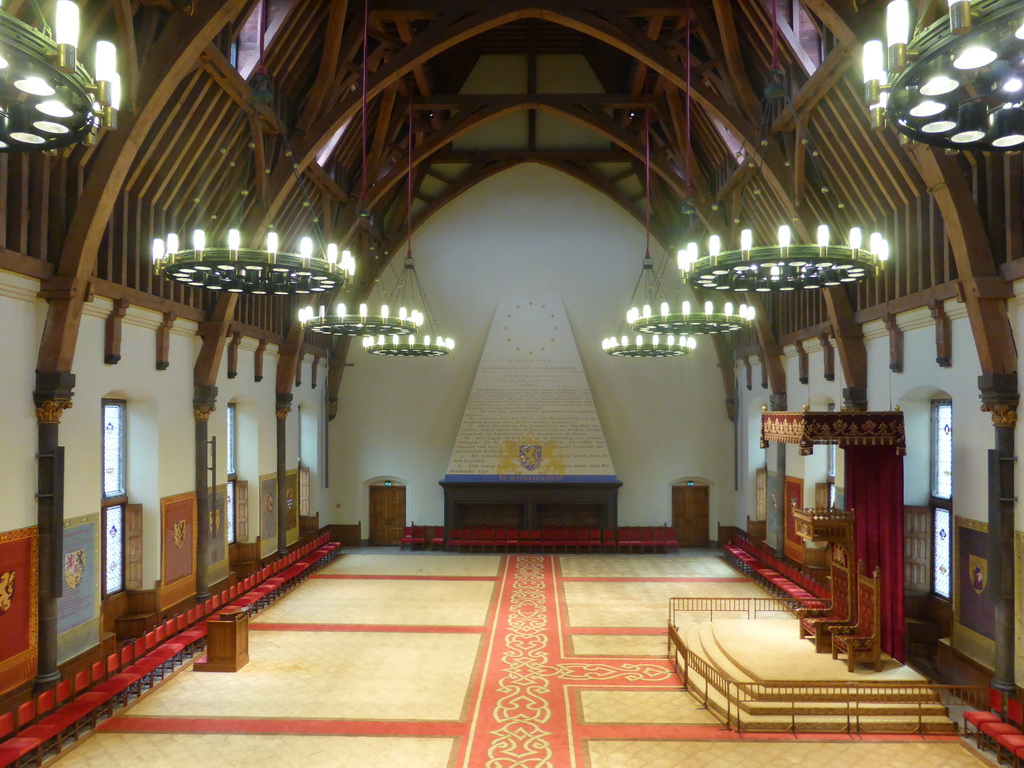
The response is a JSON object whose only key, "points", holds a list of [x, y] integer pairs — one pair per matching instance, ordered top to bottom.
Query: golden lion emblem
{"points": [[179, 534], [6, 591]]}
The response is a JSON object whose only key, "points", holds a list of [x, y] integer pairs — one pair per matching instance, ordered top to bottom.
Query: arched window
{"points": [[942, 495], [115, 497]]}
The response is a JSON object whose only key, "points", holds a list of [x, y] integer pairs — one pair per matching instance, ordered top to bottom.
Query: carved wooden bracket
{"points": [[112, 332], [943, 334], [236, 339], [163, 341], [895, 342], [801, 355], [829, 356], [257, 360], [316, 362], [298, 368], [764, 370], [749, 372]]}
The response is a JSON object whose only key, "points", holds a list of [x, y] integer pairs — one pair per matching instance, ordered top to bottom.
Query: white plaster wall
{"points": [[531, 226], [22, 323]]}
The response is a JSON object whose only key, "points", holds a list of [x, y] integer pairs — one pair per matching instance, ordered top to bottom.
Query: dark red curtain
{"points": [[874, 491]]}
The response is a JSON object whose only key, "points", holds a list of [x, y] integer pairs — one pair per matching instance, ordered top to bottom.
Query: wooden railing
{"points": [[851, 697]]}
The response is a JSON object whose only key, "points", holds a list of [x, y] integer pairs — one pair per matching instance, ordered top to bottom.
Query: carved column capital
{"points": [[52, 395], [999, 397], [204, 402], [283, 406], [332, 407], [49, 411], [202, 412], [1003, 415]]}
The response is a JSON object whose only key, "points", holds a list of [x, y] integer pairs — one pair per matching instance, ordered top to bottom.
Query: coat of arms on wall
{"points": [[531, 455], [215, 515], [179, 533], [74, 568], [977, 568], [6, 591]]}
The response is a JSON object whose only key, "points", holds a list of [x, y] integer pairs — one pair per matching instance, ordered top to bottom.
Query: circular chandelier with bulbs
{"points": [[958, 83], [47, 97], [782, 266], [252, 270], [688, 321], [361, 322], [648, 345], [408, 346]]}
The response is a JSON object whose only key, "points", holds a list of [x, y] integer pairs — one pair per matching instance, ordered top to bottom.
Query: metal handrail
{"points": [[750, 606], [852, 694]]}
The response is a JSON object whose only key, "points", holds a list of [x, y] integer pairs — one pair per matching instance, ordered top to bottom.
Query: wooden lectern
{"points": [[227, 643]]}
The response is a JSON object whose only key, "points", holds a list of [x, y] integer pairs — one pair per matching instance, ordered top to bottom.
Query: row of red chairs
{"points": [[413, 535], [563, 539], [767, 557], [748, 562], [46, 721], [998, 726]]}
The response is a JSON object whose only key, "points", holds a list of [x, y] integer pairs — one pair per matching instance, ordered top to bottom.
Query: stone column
{"points": [[52, 397], [999, 397], [204, 402], [284, 407], [777, 510]]}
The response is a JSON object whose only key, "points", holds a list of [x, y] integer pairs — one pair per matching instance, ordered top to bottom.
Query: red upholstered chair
{"points": [[487, 535], [437, 538], [593, 540], [610, 541], [862, 641], [994, 714], [1006, 735], [13, 749]]}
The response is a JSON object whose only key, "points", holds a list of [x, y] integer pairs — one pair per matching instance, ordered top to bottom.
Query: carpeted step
{"points": [[802, 712]]}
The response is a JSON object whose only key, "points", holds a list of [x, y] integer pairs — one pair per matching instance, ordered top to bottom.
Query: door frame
{"points": [[697, 480], [364, 515]]}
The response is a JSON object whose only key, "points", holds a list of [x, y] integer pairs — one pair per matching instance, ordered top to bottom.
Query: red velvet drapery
{"points": [[874, 491]]}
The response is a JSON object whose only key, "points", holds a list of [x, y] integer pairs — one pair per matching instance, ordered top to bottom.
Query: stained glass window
{"points": [[231, 439], [113, 448], [942, 461], [229, 513], [114, 549], [941, 550]]}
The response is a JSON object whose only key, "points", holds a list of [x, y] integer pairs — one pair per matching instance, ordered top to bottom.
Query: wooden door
{"points": [[387, 514], [690, 515], [917, 549]]}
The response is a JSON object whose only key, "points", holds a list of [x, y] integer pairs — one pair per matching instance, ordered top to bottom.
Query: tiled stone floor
{"points": [[380, 659]]}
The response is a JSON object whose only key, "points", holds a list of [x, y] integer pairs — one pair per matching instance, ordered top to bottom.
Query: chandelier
{"points": [[958, 83], [47, 97], [783, 265], [253, 270], [409, 290], [647, 343]]}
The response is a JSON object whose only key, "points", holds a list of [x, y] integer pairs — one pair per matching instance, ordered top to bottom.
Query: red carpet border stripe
{"points": [[413, 577], [657, 579], [430, 628], [297, 726]]}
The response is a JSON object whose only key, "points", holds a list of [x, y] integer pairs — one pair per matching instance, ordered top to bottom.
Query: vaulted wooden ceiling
{"points": [[201, 144]]}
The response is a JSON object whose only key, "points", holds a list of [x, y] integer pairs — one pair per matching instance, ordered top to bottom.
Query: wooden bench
{"points": [[862, 641]]}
